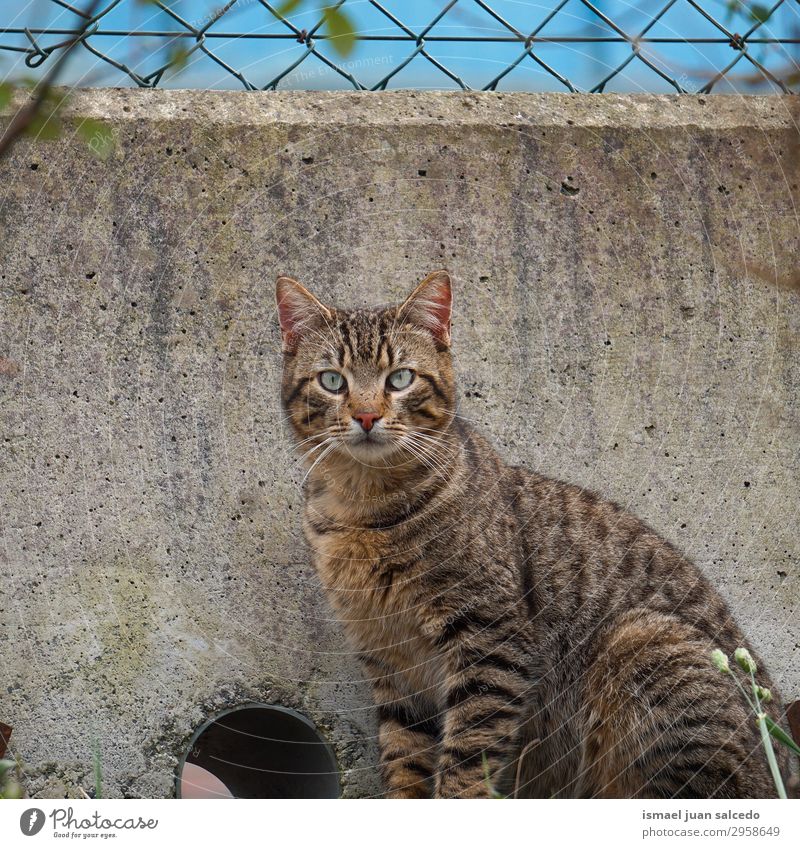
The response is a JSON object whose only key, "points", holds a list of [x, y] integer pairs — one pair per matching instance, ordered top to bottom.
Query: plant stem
{"points": [[25, 115], [742, 690], [761, 718], [773, 763], [98, 770]]}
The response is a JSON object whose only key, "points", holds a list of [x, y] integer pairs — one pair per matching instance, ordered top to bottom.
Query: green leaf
{"points": [[287, 7], [732, 7], [759, 13], [340, 29], [177, 58], [6, 93], [54, 98], [44, 127], [98, 136], [782, 736], [9, 786], [12, 791]]}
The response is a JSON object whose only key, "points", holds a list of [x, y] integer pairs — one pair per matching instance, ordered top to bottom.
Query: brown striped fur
{"points": [[521, 634]]}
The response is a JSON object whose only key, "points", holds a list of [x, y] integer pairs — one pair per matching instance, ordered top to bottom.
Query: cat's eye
{"points": [[400, 379], [333, 381]]}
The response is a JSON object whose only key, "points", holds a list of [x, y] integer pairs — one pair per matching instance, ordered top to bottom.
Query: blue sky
{"points": [[261, 60]]}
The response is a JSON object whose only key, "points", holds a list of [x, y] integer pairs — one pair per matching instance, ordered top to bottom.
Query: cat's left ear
{"points": [[430, 305]]}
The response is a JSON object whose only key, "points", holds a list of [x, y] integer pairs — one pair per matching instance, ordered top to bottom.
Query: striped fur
{"points": [[521, 634]]}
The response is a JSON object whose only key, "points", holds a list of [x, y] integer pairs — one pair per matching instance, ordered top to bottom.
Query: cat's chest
{"points": [[365, 579], [376, 595]]}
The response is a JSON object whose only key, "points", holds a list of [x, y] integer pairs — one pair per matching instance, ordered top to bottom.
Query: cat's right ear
{"points": [[298, 311]]}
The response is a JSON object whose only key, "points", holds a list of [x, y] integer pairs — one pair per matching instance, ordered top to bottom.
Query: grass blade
{"points": [[782, 736]]}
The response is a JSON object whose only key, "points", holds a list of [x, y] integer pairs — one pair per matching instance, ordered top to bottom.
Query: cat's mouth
{"points": [[370, 441], [370, 444]]}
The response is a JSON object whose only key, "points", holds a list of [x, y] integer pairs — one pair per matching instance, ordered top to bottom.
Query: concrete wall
{"points": [[606, 331]]}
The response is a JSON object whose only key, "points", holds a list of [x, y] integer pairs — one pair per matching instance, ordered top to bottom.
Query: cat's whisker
{"points": [[453, 414], [285, 419], [419, 427], [404, 428], [414, 432], [308, 439], [431, 439], [438, 442], [312, 448], [307, 454], [423, 454], [431, 456], [419, 457], [319, 459]]}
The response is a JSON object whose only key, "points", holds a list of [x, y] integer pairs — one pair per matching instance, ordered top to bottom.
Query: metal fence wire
{"points": [[574, 45]]}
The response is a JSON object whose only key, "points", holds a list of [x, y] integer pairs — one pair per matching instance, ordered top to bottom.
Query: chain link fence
{"points": [[572, 45]]}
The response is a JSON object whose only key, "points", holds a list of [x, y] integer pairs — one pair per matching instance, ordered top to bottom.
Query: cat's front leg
{"points": [[485, 694], [408, 743]]}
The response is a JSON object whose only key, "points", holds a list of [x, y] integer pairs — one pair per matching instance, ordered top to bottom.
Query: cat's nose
{"points": [[366, 419]]}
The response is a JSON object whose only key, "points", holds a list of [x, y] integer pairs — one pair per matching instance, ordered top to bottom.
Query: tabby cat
{"points": [[522, 635]]}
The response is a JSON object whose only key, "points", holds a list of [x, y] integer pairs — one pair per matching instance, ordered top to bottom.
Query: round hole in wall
{"points": [[258, 751]]}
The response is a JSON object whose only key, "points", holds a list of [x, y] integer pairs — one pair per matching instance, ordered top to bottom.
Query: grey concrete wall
{"points": [[607, 331]]}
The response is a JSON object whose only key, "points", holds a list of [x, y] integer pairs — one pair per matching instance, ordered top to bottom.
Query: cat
{"points": [[523, 637]]}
